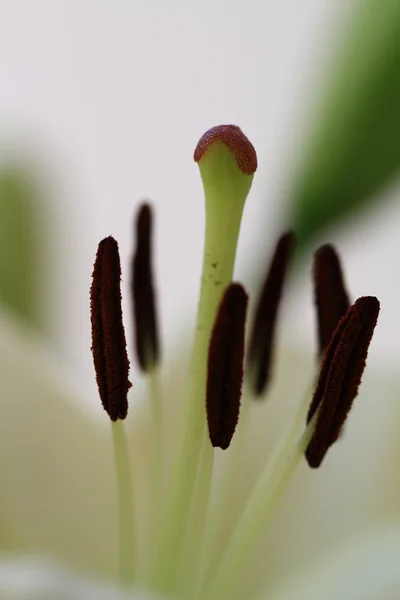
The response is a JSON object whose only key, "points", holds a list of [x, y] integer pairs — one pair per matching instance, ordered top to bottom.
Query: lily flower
{"points": [[154, 513]]}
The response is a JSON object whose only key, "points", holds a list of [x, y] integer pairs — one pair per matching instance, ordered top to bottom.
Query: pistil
{"points": [[227, 161]]}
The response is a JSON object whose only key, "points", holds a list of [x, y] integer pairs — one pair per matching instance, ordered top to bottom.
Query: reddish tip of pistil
{"points": [[240, 147], [108, 335], [225, 366], [340, 376]]}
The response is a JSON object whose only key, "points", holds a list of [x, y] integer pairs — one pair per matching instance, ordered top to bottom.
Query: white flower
{"points": [[189, 525]]}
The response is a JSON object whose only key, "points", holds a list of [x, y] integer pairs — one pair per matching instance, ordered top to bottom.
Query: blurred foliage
{"points": [[354, 148], [18, 246]]}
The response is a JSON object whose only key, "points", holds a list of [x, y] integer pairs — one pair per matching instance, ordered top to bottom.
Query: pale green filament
{"points": [[226, 189], [156, 450], [270, 487], [198, 519], [216, 521], [126, 525]]}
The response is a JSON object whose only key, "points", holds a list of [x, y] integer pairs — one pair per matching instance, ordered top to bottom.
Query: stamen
{"points": [[237, 143], [331, 298], [146, 330], [263, 331], [108, 335], [148, 353], [225, 366], [112, 367], [340, 376], [257, 377], [224, 383], [224, 388]]}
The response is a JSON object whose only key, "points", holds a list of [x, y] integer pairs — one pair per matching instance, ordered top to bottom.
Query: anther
{"points": [[237, 143], [331, 298], [145, 317], [263, 330], [108, 335], [225, 366], [340, 376]]}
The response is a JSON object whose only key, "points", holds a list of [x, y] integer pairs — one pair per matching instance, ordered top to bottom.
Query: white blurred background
{"points": [[108, 99]]}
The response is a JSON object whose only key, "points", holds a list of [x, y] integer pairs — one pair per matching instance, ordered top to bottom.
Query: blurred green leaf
{"points": [[355, 143], [18, 246]]}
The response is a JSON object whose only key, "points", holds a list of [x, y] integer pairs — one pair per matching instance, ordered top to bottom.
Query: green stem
{"points": [[126, 526]]}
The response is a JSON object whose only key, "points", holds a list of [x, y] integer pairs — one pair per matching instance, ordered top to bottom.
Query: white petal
{"points": [[57, 480], [364, 569], [38, 580]]}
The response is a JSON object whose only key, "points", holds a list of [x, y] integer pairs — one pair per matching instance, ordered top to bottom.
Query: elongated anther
{"points": [[142, 288], [331, 297], [108, 335], [261, 344], [225, 366], [340, 376]]}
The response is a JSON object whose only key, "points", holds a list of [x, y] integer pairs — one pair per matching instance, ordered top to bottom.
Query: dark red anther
{"points": [[234, 139], [331, 298], [145, 316], [108, 335], [261, 343], [225, 366], [340, 376]]}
